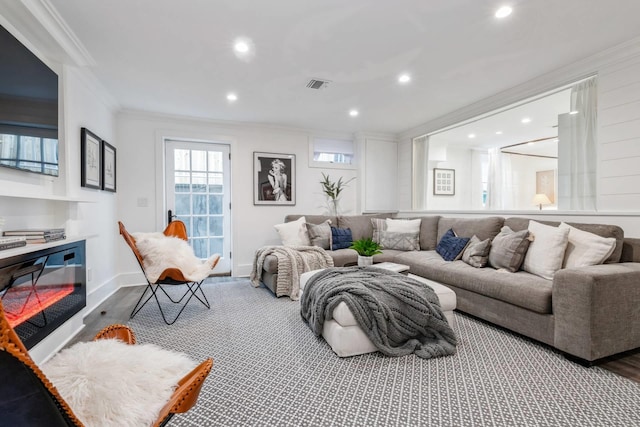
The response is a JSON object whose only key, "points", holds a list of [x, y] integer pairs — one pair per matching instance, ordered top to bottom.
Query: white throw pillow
{"points": [[403, 225], [294, 233], [586, 248], [546, 250]]}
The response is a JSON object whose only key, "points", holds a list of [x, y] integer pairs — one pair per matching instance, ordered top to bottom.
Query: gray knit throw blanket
{"points": [[292, 262], [400, 315]]}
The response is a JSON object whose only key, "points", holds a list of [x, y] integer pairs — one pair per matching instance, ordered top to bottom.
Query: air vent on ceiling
{"points": [[317, 84]]}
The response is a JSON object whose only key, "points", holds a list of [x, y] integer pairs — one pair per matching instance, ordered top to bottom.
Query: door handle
{"points": [[170, 216]]}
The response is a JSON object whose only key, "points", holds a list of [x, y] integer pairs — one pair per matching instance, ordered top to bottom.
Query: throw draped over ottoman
{"points": [[398, 314]]}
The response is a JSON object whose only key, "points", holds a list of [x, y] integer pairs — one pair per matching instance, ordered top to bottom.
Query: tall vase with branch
{"points": [[332, 190]]}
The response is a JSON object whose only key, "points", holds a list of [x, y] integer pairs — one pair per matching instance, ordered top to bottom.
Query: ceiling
{"points": [[176, 57]]}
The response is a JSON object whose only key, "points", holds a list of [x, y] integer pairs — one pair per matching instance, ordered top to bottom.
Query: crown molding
{"points": [[47, 15], [565, 75]]}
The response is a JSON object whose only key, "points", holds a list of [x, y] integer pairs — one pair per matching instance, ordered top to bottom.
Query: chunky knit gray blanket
{"points": [[292, 261], [400, 315]]}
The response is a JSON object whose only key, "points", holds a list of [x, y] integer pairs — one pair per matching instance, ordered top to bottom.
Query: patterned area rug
{"points": [[269, 369]]}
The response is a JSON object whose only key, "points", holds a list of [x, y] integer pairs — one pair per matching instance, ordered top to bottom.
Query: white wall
{"points": [[458, 159], [140, 174], [524, 177]]}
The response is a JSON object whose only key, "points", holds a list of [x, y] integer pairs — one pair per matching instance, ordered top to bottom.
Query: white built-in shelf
{"points": [[50, 197], [33, 247]]}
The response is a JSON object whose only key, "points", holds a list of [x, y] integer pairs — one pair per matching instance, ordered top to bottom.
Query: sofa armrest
{"points": [[630, 250], [597, 309]]}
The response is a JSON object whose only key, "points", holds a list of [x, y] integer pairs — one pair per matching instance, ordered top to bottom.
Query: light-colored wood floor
{"points": [[117, 308]]}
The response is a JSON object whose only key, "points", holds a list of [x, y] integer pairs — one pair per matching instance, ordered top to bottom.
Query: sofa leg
{"points": [[578, 360]]}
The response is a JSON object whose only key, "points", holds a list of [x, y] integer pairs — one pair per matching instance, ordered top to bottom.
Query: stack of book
{"points": [[43, 235], [11, 242]]}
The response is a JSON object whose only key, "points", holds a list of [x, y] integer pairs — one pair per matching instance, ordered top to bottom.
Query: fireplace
{"points": [[42, 289]]}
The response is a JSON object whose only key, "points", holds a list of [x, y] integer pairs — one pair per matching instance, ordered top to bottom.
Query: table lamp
{"points": [[541, 199]]}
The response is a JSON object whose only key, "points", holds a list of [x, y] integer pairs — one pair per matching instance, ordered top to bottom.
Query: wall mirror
{"points": [[509, 159]]}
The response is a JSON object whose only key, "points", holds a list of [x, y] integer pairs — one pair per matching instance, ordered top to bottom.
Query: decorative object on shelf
{"points": [[91, 155], [108, 167], [274, 179], [444, 182], [546, 184], [332, 190], [540, 199], [40, 235], [366, 249]]}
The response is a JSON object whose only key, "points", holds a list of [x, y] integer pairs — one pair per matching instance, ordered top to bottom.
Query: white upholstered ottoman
{"points": [[343, 333]]}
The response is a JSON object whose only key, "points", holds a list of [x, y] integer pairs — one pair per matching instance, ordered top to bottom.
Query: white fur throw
{"points": [[160, 252], [109, 383]]}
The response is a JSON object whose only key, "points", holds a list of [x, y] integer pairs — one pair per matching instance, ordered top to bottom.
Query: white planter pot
{"points": [[364, 260]]}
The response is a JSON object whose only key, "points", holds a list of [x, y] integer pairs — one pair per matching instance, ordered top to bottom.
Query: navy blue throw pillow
{"points": [[341, 238], [451, 246]]}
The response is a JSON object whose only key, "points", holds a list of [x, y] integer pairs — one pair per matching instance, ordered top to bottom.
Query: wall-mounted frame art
{"points": [[91, 159], [108, 167], [274, 179], [444, 182], [546, 184]]}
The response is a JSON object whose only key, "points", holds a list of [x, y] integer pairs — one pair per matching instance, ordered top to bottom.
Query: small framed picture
{"points": [[91, 159], [108, 167], [274, 179], [444, 182]]}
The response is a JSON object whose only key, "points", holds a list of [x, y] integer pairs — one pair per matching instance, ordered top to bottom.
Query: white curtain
{"points": [[582, 146], [500, 191]]}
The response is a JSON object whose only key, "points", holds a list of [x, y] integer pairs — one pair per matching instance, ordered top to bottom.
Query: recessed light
{"points": [[503, 12], [241, 46], [404, 78], [232, 97], [573, 112], [353, 113], [526, 120], [499, 132], [472, 135]]}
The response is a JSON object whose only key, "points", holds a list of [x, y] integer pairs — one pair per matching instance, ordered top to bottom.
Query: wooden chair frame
{"points": [[169, 277], [183, 398]]}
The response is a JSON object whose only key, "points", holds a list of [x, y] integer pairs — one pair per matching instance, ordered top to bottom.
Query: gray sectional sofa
{"points": [[588, 312]]}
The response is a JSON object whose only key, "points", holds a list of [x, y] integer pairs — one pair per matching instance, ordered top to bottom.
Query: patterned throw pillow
{"points": [[379, 225], [320, 234], [341, 238], [400, 241], [450, 246], [508, 249], [477, 252]]}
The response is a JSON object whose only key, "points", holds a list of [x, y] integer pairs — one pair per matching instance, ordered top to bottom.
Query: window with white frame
{"points": [[331, 152]]}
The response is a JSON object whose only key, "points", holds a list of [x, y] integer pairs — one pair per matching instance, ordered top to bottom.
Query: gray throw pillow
{"points": [[379, 225], [320, 234], [400, 241], [508, 249], [477, 252]]}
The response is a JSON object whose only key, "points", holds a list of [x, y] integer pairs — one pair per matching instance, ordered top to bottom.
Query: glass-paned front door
{"points": [[198, 189]]}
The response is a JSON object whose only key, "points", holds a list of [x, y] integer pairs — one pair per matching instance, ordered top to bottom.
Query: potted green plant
{"points": [[332, 190], [366, 249]]}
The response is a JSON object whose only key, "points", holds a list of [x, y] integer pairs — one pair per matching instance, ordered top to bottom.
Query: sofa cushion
{"points": [[312, 219], [360, 225], [404, 225], [484, 228], [601, 230], [429, 232], [294, 233], [320, 234], [341, 238], [451, 246], [586, 248], [508, 249], [546, 250], [476, 254], [344, 257], [523, 289]]}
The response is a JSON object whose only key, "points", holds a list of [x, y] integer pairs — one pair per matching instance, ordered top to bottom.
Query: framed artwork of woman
{"points": [[274, 176]]}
